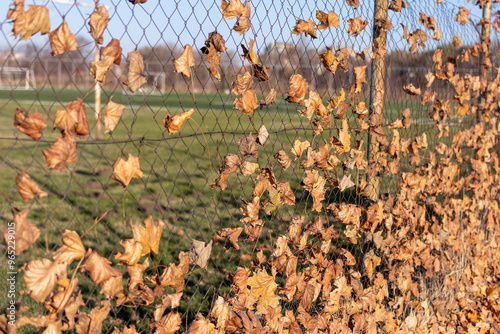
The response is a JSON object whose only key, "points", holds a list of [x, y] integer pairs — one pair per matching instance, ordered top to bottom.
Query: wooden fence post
{"points": [[485, 62], [376, 88]]}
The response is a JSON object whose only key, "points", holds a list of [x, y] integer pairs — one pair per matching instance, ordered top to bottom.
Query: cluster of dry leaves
{"points": [[422, 259]]}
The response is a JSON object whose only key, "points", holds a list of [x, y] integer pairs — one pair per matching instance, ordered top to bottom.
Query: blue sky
{"points": [[183, 22]]}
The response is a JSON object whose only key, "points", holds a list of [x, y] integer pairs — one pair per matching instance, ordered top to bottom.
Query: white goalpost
{"points": [[15, 77]]}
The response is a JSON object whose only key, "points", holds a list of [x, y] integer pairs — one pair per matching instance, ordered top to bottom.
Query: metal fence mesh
{"points": [[179, 169]]}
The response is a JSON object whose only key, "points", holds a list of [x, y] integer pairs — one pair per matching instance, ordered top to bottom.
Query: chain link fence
{"points": [[179, 171]]}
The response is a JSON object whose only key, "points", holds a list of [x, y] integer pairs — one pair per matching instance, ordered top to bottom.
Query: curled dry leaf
{"points": [[135, 2], [353, 3], [397, 5], [231, 9], [462, 16], [327, 20], [98, 22], [28, 23], [243, 24], [356, 26], [307, 27], [437, 35], [215, 39], [62, 40], [456, 41], [113, 49], [213, 59], [184, 63], [99, 69], [360, 74], [135, 79], [242, 83], [298, 88], [411, 90], [269, 99], [247, 103], [112, 116], [73, 118], [406, 118], [173, 123], [30, 124], [397, 124], [262, 136], [247, 146], [299, 147], [61, 153], [283, 159], [124, 171], [315, 185], [28, 188], [26, 232], [231, 234], [149, 236], [72, 248], [200, 253], [132, 254], [99, 268], [136, 273], [41, 276], [263, 287], [92, 323], [168, 324], [202, 326]]}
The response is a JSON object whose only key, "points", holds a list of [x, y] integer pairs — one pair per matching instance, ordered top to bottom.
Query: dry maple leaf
{"points": [[353, 3], [397, 5], [231, 9], [462, 15], [327, 20], [98, 21], [28, 23], [243, 24], [356, 26], [307, 27], [437, 35], [215, 39], [62, 40], [456, 41], [113, 49], [213, 59], [185, 61], [99, 68], [360, 74], [135, 79], [242, 83], [298, 88], [411, 90], [269, 99], [247, 103], [112, 115], [73, 118], [30, 124], [173, 124], [343, 144], [247, 146], [299, 147], [62, 152], [283, 159], [248, 168], [124, 171], [346, 182], [315, 185], [28, 188], [250, 210], [26, 232], [232, 235], [149, 236], [72, 248], [200, 253], [132, 254], [136, 273], [174, 274], [41, 276], [263, 287], [58, 300], [92, 323], [168, 324], [202, 326]]}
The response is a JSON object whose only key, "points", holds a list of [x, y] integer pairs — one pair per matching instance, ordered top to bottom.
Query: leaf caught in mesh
{"points": [[353, 3], [231, 9], [462, 16], [327, 20], [98, 22], [28, 23], [243, 24], [356, 26], [307, 27], [215, 39], [62, 40], [113, 49], [213, 59], [185, 61], [99, 69], [135, 79], [242, 83], [298, 88], [411, 90], [269, 99], [247, 103], [112, 115], [73, 118], [173, 123], [30, 124], [263, 135], [247, 146], [62, 152], [283, 159], [124, 171], [315, 184], [27, 188], [26, 233], [232, 235], [149, 236], [72, 248], [200, 253], [41, 276], [262, 286], [92, 323]]}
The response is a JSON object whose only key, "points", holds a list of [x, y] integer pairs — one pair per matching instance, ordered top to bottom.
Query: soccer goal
{"points": [[15, 78]]}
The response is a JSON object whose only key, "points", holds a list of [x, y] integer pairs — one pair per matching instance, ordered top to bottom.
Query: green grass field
{"points": [[178, 170]]}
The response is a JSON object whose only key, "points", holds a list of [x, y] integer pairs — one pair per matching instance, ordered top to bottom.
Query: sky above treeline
{"points": [[180, 22]]}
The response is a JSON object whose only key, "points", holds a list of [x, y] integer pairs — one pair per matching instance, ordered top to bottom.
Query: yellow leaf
{"points": [[263, 286]]}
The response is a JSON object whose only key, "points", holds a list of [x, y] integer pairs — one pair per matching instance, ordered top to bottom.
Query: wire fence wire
{"points": [[179, 169]]}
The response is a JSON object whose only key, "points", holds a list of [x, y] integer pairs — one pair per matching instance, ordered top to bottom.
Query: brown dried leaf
{"points": [[353, 3], [397, 5], [231, 9], [462, 15], [327, 20], [98, 22], [28, 23], [243, 24], [356, 26], [307, 27], [437, 35], [215, 39], [62, 40], [456, 41], [113, 49], [214, 59], [184, 63], [99, 69], [360, 74], [135, 79], [242, 83], [298, 88], [411, 90], [269, 99], [247, 103], [112, 116], [30, 124], [173, 124], [262, 136], [247, 146], [299, 147], [62, 152], [283, 159], [124, 171], [346, 182], [315, 184], [28, 188], [26, 233], [232, 235], [149, 236], [72, 248], [200, 253], [132, 254], [99, 268], [136, 273], [41, 276], [263, 286], [92, 323], [202, 326]]}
